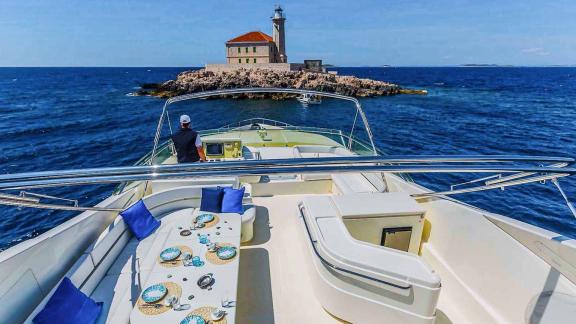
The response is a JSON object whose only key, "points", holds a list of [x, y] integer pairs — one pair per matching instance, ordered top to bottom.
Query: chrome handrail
{"points": [[207, 94], [251, 121], [306, 162], [187, 171]]}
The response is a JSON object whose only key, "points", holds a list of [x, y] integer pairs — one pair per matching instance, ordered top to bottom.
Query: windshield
{"points": [[337, 119]]}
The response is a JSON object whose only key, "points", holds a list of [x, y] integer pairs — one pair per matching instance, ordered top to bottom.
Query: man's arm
{"points": [[200, 149], [201, 153]]}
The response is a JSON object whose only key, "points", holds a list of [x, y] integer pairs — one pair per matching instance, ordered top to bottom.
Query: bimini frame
{"points": [[207, 94]]}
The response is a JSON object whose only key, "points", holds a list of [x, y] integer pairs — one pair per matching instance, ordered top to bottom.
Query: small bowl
{"points": [[205, 281]]}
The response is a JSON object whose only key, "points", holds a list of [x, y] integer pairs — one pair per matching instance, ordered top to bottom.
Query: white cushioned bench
{"points": [[113, 268], [88, 271]]}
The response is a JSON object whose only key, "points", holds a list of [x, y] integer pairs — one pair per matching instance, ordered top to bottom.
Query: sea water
{"points": [[68, 118]]}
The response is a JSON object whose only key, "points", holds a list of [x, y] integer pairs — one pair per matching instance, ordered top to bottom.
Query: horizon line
{"points": [[466, 65]]}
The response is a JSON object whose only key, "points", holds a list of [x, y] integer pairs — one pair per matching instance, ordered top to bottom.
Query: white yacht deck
{"points": [[274, 285]]}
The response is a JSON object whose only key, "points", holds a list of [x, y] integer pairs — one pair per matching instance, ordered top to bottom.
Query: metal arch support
{"points": [[207, 94], [158, 130], [349, 146]]}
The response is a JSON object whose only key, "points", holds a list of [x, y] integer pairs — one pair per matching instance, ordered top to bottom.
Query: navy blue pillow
{"points": [[211, 200], [232, 200], [139, 220], [68, 305]]}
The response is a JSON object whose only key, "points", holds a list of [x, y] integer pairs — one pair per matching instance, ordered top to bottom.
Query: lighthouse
{"points": [[278, 35]]}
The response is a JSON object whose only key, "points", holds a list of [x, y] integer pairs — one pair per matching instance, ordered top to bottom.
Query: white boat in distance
{"points": [[308, 99], [331, 231]]}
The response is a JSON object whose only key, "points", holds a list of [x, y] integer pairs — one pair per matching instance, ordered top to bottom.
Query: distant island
{"points": [[258, 60], [484, 65], [203, 80]]}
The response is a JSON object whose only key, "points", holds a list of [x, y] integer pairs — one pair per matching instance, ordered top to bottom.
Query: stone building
{"points": [[257, 47], [250, 48]]}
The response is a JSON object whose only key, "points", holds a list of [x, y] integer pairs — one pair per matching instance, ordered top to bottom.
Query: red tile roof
{"points": [[254, 36]]}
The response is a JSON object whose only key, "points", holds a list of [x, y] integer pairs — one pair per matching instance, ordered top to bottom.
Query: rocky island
{"points": [[202, 80]]}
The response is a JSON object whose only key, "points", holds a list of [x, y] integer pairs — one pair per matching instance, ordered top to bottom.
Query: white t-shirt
{"points": [[198, 141]]}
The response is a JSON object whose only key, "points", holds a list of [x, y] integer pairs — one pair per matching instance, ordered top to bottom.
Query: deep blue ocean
{"points": [[63, 118]]}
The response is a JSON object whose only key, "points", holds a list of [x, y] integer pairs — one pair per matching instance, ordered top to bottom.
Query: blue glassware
{"points": [[203, 239], [187, 259], [197, 262], [154, 293], [193, 319]]}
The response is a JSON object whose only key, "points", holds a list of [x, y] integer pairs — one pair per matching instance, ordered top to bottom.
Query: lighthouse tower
{"points": [[278, 35]]}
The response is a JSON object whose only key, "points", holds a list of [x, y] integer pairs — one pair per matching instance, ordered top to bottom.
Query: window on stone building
{"points": [[246, 49], [254, 49], [239, 50], [239, 60], [247, 60], [254, 60]]}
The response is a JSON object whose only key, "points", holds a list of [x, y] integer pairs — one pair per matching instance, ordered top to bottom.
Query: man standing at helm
{"points": [[187, 143]]}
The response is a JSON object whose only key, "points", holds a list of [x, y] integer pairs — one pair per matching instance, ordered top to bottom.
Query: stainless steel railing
{"points": [[257, 120], [303, 162], [391, 164], [557, 167]]}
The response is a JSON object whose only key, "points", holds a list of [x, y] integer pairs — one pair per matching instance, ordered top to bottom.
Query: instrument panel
{"points": [[222, 149]]}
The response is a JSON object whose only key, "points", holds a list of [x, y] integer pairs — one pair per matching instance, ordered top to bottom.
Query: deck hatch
{"points": [[396, 238]]}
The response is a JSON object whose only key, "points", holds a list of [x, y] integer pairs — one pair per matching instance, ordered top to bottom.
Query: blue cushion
{"points": [[211, 200], [232, 200], [139, 220], [69, 305]]}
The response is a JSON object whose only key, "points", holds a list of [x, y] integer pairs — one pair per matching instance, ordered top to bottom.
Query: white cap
{"points": [[184, 119]]}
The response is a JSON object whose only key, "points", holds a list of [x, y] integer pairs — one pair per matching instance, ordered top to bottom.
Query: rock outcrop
{"points": [[202, 80]]}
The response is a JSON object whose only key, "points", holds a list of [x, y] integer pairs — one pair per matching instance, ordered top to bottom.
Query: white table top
{"points": [[225, 275]]}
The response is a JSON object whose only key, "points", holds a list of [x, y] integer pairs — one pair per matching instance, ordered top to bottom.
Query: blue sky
{"points": [[345, 33]]}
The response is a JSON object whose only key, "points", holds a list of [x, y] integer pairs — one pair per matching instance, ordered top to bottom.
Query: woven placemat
{"points": [[209, 224], [213, 258], [176, 262], [173, 290], [205, 313]]}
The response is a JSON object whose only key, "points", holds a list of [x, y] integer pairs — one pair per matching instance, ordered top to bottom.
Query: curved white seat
{"points": [[161, 185], [248, 218], [361, 282]]}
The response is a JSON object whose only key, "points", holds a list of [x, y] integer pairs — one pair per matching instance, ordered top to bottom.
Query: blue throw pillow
{"points": [[211, 200], [232, 200], [139, 220], [68, 305]]}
